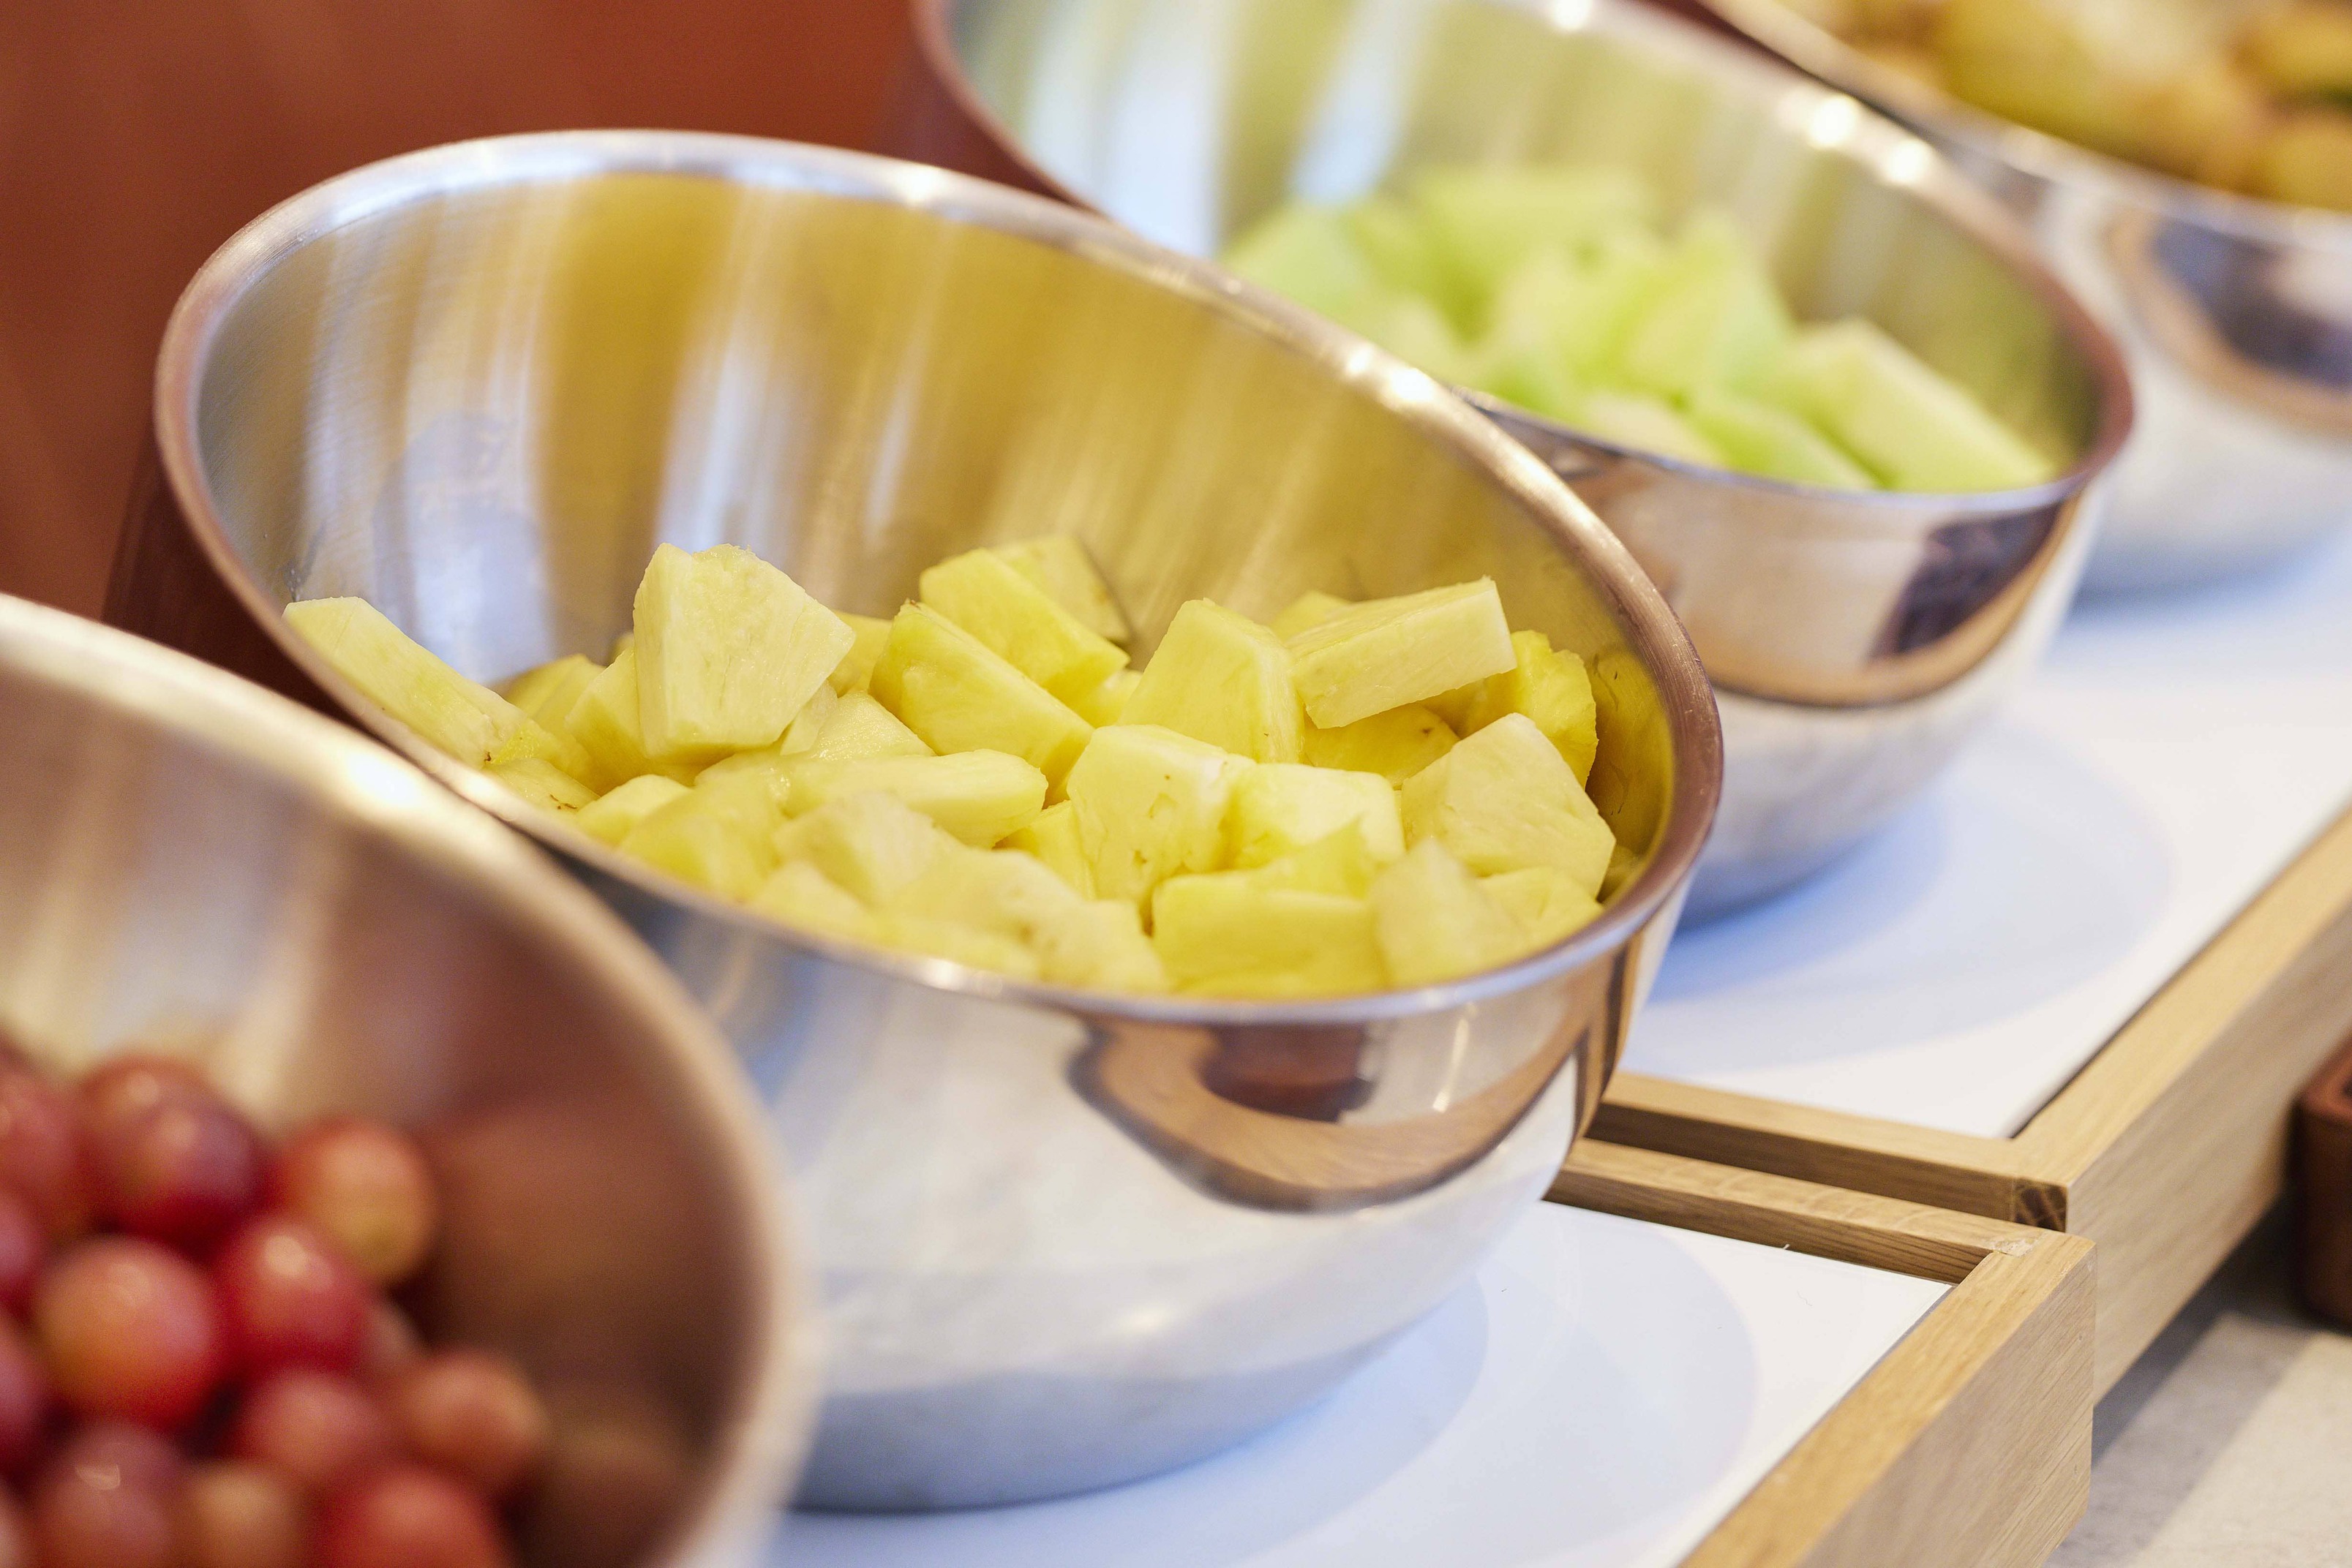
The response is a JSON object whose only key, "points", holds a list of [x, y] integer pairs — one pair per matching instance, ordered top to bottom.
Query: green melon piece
{"points": [[1486, 220], [1390, 235], [1305, 253], [1713, 317], [1645, 425], [1759, 437]]}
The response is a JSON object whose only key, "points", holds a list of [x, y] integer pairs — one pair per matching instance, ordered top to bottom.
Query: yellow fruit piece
{"points": [[1060, 565], [980, 592], [1311, 608], [872, 634], [728, 649], [1387, 652], [1224, 679], [1552, 688], [548, 691], [960, 694], [1106, 704], [465, 719], [605, 721], [859, 728], [801, 734], [534, 742], [1396, 744], [765, 771], [544, 784], [978, 796], [1505, 800], [1151, 804], [1279, 809], [618, 811], [1052, 835], [717, 836], [872, 844], [1339, 864], [1622, 865], [799, 894], [1015, 896], [1546, 903], [1435, 922], [1227, 933], [959, 944], [1109, 950]]}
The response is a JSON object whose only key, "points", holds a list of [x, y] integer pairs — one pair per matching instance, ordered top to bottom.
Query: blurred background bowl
{"points": [[2235, 314], [1856, 638], [192, 866], [1067, 1239]]}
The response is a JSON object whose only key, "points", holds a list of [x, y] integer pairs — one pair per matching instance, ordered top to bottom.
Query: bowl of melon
{"points": [[1821, 388], [1176, 811]]}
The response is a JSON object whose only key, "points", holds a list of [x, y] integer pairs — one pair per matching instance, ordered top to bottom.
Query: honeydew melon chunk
{"points": [[1484, 220], [1390, 235], [1306, 254], [1579, 311], [1712, 318], [1415, 331], [1528, 374], [1645, 425], [1911, 428], [1757, 438], [1061, 566], [983, 593], [1311, 608], [870, 634], [728, 648], [1387, 652], [1223, 678], [1551, 687], [548, 691], [957, 694], [1106, 704], [462, 717], [605, 721], [809, 723], [859, 728], [535, 742], [1396, 744], [544, 784], [977, 796], [1504, 800], [1151, 804], [1280, 808], [617, 812], [1052, 835], [716, 836], [871, 844], [1338, 864], [798, 893], [1014, 896], [1546, 903], [1434, 922], [1227, 933], [957, 943]]}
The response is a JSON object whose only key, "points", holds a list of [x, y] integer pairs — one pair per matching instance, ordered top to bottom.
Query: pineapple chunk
{"points": [[1060, 565], [980, 592], [1311, 608], [872, 634], [626, 642], [728, 648], [1390, 652], [1223, 678], [1554, 689], [548, 691], [960, 694], [1106, 704], [468, 721], [605, 721], [860, 727], [801, 734], [534, 742], [1396, 744], [757, 770], [544, 784], [978, 796], [1505, 800], [1151, 804], [1280, 808], [617, 812], [1052, 835], [717, 836], [871, 844], [1338, 864], [800, 894], [1014, 896], [1547, 904], [1435, 922], [1228, 933], [957, 943], [1109, 950]]}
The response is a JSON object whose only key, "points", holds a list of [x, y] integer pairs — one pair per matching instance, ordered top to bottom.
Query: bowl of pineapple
{"points": [[2187, 166], [1821, 388], [1176, 811]]}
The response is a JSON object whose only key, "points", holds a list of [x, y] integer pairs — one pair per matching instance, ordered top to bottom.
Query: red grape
{"points": [[119, 1092], [41, 1153], [184, 1172], [366, 1185], [23, 1249], [292, 1299], [131, 1330], [393, 1342], [23, 1399], [474, 1414], [316, 1429], [107, 1501], [236, 1515], [406, 1516]]}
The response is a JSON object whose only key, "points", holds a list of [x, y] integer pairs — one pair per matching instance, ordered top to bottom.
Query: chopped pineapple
{"points": [[1060, 565], [980, 592], [1311, 608], [872, 634], [626, 642], [728, 649], [1390, 652], [1223, 678], [1554, 689], [548, 691], [960, 694], [1106, 704], [466, 720], [605, 721], [859, 727], [801, 734], [534, 742], [1396, 744], [766, 772], [544, 784], [978, 796], [1505, 800], [1151, 804], [1280, 808], [618, 811], [1052, 835], [717, 836], [872, 844], [1338, 864], [800, 894], [1014, 896], [1546, 903], [1434, 921], [1229, 933], [957, 943]]}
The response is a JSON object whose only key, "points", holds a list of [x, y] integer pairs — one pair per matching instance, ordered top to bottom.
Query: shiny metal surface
{"points": [[2235, 313], [1855, 637], [190, 864], [1067, 1239]]}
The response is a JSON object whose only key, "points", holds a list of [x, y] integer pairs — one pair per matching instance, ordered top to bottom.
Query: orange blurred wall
{"points": [[136, 135]]}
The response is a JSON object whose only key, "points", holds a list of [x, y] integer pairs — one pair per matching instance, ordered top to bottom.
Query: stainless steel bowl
{"points": [[2235, 315], [1856, 639], [192, 866], [1067, 1239]]}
